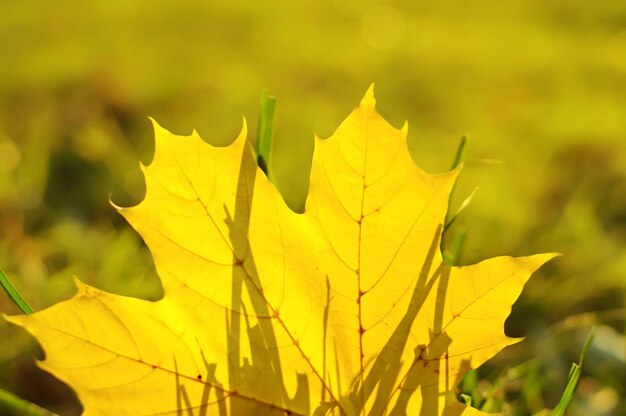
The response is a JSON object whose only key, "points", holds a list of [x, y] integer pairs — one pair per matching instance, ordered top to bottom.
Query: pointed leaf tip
{"points": [[368, 99], [78, 283], [83, 289], [17, 320]]}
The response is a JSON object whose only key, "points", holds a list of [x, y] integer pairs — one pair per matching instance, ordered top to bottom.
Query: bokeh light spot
{"points": [[382, 27], [10, 156]]}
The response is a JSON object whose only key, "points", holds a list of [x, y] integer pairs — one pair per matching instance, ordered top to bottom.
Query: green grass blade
{"points": [[265, 131], [460, 153], [458, 158], [461, 208], [451, 257], [14, 294], [588, 342], [574, 376], [570, 389], [466, 399], [14, 405]]}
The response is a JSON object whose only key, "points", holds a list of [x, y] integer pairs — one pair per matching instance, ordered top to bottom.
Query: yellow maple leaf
{"points": [[346, 309]]}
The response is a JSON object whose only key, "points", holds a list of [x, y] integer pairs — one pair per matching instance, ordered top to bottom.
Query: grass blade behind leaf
{"points": [[265, 131], [460, 153], [458, 159], [463, 205], [451, 257], [14, 294], [574, 376], [17, 406]]}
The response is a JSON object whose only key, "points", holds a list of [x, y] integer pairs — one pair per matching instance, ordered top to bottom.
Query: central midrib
{"points": [[358, 270]]}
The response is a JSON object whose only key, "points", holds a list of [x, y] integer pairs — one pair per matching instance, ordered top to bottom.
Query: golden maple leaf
{"points": [[346, 309]]}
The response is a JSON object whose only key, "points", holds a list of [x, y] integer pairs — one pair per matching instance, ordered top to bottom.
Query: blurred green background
{"points": [[540, 87]]}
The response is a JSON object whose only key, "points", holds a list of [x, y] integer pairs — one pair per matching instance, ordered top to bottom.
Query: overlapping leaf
{"points": [[346, 309]]}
